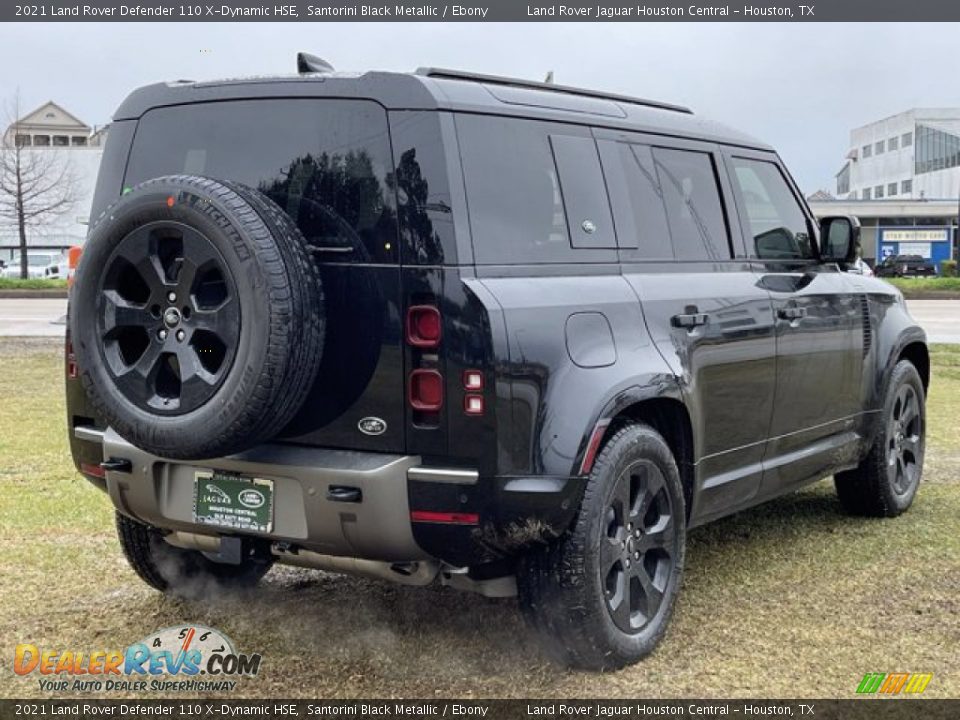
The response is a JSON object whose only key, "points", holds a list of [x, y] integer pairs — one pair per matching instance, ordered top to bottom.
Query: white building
{"points": [[52, 129], [913, 155], [902, 179]]}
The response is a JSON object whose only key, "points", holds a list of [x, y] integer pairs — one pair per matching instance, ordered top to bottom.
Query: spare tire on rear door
{"points": [[197, 317]]}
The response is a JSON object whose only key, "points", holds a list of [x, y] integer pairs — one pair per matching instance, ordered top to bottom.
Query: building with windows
{"points": [[50, 126], [52, 129], [913, 155], [901, 177]]}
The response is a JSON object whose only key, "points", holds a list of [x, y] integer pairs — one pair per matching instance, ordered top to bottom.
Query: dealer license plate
{"points": [[233, 501]]}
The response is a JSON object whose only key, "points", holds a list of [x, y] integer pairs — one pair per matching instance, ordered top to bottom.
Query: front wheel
{"points": [[885, 483], [601, 596]]}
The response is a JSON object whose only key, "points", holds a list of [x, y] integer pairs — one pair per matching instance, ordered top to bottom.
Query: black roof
{"points": [[436, 89]]}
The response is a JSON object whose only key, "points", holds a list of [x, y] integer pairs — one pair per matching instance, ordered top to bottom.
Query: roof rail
{"points": [[550, 87]]}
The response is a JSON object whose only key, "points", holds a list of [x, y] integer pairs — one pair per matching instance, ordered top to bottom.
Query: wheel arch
{"points": [[919, 356], [666, 413]]}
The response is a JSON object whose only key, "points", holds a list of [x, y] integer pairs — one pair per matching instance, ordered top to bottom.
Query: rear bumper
{"points": [[161, 493], [493, 518]]}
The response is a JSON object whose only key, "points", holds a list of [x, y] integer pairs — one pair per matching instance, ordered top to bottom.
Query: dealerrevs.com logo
{"points": [[191, 658]]}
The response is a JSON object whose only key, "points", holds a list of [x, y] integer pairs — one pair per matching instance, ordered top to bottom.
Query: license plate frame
{"points": [[233, 501]]}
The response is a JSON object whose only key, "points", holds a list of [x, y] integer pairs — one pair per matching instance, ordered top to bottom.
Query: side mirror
{"points": [[839, 239]]}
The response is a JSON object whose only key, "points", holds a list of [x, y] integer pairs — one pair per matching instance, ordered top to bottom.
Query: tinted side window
{"points": [[325, 162], [584, 192], [514, 194], [691, 195], [637, 199], [424, 202], [778, 224]]}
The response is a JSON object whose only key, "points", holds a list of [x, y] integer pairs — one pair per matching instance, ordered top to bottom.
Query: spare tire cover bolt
{"points": [[172, 297], [163, 334], [181, 335]]}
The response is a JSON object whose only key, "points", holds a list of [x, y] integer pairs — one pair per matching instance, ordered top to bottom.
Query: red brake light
{"points": [[424, 326], [72, 369], [426, 390], [94, 470], [445, 518]]}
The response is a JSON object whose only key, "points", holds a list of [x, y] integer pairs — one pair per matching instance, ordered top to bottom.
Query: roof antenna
{"points": [[307, 63], [549, 78]]}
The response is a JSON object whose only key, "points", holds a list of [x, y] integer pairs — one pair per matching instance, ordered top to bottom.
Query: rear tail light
{"points": [[73, 259], [424, 326], [72, 370], [472, 380], [426, 390], [473, 404]]}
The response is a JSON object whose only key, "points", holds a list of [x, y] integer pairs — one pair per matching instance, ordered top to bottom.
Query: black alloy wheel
{"points": [[168, 317], [197, 318], [904, 428], [886, 481], [638, 548], [600, 597]]}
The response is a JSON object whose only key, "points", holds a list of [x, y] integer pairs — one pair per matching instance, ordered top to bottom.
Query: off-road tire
{"points": [[279, 330], [871, 489], [170, 569], [561, 588]]}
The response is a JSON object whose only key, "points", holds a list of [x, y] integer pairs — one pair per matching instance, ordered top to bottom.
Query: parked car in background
{"points": [[39, 265], [906, 266]]}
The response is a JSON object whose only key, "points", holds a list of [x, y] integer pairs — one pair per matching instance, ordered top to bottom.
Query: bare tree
{"points": [[37, 185]]}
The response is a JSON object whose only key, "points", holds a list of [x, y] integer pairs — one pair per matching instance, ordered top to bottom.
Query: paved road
{"points": [[32, 317], [940, 318]]}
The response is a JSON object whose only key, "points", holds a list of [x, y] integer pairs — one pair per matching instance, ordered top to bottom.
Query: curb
{"points": [[933, 295]]}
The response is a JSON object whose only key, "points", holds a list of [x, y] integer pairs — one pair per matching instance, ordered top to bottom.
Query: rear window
{"points": [[327, 163], [525, 179]]}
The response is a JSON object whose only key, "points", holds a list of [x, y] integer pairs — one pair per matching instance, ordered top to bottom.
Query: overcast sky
{"points": [[799, 87]]}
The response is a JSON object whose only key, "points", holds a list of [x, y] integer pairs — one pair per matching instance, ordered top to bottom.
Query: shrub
{"points": [[948, 268]]}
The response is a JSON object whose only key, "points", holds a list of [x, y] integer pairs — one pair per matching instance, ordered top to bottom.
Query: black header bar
{"points": [[487, 11]]}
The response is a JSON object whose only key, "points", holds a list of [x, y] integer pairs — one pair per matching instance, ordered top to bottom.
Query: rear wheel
{"points": [[885, 483], [186, 572], [601, 597]]}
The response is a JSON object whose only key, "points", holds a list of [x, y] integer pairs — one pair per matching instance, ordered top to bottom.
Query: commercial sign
{"points": [[923, 236]]}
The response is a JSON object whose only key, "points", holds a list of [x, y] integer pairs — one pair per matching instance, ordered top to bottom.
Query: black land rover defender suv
{"points": [[439, 327]]}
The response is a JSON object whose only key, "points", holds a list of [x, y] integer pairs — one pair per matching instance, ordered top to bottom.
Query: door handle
{"points": [[791, 313], [689, 320]]}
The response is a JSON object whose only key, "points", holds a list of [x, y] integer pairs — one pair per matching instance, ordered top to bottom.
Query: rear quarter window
{"points": [[327, 163], [519, 202]]}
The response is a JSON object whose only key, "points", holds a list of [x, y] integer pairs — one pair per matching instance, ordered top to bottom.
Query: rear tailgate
{"points": [[327, 164]]}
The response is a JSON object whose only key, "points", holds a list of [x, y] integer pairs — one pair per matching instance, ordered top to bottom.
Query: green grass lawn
{"points": [[927, 287], [791, 599]]}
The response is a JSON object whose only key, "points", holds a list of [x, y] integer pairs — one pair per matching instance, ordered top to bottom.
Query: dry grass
{"points": [[792, 599]]}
